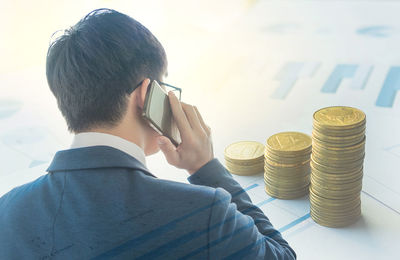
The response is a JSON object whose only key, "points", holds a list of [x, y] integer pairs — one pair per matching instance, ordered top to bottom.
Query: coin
{"points": [[339, 117], [339, 132], [335, 141], [289, 142], [319, 145], [244, 151], [338, 152], [244, 158], [301, 159], [245, 163], [287, 165], [329, 167], [245, 170], [282, 194], [342, 222]]}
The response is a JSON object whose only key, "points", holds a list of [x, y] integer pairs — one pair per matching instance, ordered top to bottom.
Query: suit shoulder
{"points": [[19, 191], [182, 191]]}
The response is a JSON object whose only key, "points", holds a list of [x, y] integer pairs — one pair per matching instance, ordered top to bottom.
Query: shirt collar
{"points": [[94, 138]]}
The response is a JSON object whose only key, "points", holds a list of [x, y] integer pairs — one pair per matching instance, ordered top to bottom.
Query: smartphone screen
{"points": [[157, 111]]}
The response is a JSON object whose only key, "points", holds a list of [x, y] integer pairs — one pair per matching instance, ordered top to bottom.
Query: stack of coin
{"points": [[245, 158], [287, 165], [337, 165]]}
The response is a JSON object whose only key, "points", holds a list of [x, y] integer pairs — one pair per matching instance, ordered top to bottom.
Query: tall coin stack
{"points": [[244, 158], [287, 165], [337, 165]]}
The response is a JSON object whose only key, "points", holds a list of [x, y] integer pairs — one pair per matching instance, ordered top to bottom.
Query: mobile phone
{"points": [[157, 111]]}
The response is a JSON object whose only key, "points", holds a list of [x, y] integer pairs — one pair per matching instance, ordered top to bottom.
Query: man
{"points": [[98, 199]]}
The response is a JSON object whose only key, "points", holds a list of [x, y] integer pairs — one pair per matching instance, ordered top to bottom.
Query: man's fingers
{"points": [[191, 115], [179, 116], [206, 128], [168, 149]]}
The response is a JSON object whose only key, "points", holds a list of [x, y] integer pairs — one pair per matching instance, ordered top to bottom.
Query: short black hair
{"points": [[93, 67]]}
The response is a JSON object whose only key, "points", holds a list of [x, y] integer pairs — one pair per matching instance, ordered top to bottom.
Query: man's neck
{"points": [[130, 134]]}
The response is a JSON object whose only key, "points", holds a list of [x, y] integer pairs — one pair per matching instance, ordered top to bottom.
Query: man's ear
{"points": [[141, 92]]}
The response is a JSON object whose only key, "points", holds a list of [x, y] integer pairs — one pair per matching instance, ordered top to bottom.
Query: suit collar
{"points": [[93, 157]]}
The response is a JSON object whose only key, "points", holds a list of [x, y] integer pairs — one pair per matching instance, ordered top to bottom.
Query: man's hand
{"points": [[196, 148]]}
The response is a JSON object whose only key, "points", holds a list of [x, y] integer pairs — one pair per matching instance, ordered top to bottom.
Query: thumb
{"points": [[168, 149]]}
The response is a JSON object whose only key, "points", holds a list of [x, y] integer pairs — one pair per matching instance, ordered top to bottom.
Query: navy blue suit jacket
{"points": [[100, 203]]}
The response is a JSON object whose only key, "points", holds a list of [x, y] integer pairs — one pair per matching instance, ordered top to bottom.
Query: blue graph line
{"points": [[377, 31], [340, 72], [287, 77], [361, 77], [389, 88], [8, 107], [391, 149], [36, 163], [251, 187], [265, 202], [381, 202], [294, 223]]}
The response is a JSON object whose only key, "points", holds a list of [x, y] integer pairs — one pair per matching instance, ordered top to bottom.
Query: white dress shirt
{"points": [[94, 138]]}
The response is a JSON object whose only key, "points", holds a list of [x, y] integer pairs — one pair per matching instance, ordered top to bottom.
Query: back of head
{"points": [[93, 67]]}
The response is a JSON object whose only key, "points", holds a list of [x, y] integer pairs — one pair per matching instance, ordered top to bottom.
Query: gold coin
{"points": [[339, 117], [340, 132], [335, 140], [289, 142], [338, 144], [356, 146], [244, 151], [337, 153], [286, 154], [288, 160], [333, 160], [245, 163], [239, 165], [285, 165], [333, 168], [320, 169], [244, 170], [254, 170], [287, 170], [244, 173], [286, 174], [289, 178], [337, 179], [325, 184], [288, 185], [337, 194], [285, 195], [331, 201], [334, 207], [324, 210], [338, 216], [342, 220], [335, 224]]}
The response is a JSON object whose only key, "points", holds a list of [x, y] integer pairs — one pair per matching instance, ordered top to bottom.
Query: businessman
{"points": [[98, 199]]}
